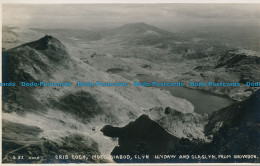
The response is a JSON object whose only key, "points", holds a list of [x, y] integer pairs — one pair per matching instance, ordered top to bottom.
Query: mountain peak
{"points": [[141, 28], [47, 37], [47, 42], [47, 45], [36, 60]]}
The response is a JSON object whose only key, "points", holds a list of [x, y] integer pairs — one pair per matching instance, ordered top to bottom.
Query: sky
{"points": [[98, 16]]}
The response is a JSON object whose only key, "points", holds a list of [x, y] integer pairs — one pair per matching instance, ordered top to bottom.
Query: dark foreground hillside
{"points": [[235, 131]]}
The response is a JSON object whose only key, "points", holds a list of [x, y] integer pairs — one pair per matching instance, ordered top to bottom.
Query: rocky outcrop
{"points": [[34, 61], [31, 62], [245, 66], [81, 105], [61, 112], [243, 113], [179, 124], [235, 131], [143, 136], [23, 140]]}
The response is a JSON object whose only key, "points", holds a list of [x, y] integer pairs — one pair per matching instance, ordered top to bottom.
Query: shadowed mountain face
{"points": [[47, 42], [51, 47], [34, 61], [31, 62], [247, 67], [81, 105], [239, 114], [235, 130], [240, 131], [238, 134], [143, 136], [24, 140]]}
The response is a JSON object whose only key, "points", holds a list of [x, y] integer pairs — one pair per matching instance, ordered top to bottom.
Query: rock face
{"points": [[51, 47], [233, 58], [35, 60], [31, 62], [232, 66], [246, 67], [81, 105], [239, 114], [59, 115], [56, 116], [179, 124], [235, 131], [240, 131], [143, 136], [23, 140]]}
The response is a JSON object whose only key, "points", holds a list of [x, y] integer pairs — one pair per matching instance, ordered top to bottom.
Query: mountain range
{"points": [[58, 115], [46, 121]]}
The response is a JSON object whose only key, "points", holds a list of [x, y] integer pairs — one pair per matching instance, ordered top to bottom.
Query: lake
{"points": [[203, 101]]}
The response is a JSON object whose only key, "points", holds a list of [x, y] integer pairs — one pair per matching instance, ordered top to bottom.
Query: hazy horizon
{"points": [[98, 16]]}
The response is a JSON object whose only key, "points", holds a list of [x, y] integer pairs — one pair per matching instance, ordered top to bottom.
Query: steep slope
{"points": [[34, 61], [31, 62], [231, 66], [245, 66], [61, 112], [243, 113], [179, 124], [240, 130], [235, 131], [143, 136], [41, 150]]}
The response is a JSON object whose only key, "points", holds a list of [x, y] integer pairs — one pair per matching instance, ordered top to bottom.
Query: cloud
{"points": [[81, 15]]}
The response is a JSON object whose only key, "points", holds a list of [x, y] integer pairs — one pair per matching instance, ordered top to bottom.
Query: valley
{"points": [[100, 120]]}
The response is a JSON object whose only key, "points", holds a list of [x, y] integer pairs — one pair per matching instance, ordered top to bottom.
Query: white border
{"points": [[129, 1], [107, 2]]}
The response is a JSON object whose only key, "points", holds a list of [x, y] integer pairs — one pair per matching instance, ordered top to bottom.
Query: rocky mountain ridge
{"points": [[77, 110], [82, 112]]}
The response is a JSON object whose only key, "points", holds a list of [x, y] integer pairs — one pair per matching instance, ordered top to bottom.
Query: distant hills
{"points": [[139, 32], [133, 33], [150, 115]]}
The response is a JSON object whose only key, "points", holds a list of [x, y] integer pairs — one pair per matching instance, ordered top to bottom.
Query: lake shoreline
{"points": [[213, 102]]}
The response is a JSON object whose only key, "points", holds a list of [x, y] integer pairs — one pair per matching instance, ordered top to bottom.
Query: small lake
{"points": [[115, 70], [203, 101]]}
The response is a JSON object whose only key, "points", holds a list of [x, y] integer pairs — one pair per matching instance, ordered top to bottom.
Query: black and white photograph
{"points": [[130, 83]]}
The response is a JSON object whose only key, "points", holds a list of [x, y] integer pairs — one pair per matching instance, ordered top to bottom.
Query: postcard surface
{"points": [[130, 83]]}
